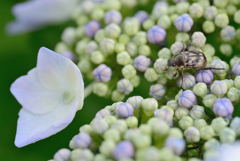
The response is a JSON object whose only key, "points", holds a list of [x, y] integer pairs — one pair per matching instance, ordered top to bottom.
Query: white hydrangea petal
{"points": [[45, 12], [32, 95], [34, 127]]}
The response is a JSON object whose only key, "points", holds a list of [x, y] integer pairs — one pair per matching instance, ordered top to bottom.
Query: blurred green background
{"points": [[17, 56]]}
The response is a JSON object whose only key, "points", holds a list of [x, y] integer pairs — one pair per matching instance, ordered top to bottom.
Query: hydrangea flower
{"points": [[32, 15], [50, 95]]}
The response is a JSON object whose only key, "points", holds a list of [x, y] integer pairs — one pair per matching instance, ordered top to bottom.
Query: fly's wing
{"points": [[194, 59]]}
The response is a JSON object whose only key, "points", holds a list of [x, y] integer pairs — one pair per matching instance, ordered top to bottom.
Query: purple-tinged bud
{"points": [[141, 16], [113, 17], [183, 23], [91, 28], [156, 35], [141, 63], [236, 69], [102, 73], [205, 76], [186, 81], [124, 86], [157, 91], [187, 99], [223, 107], [124, 110], [102, 113], [165, 115], [82, 141], [177, 145], [123, 150], [62, 155]]}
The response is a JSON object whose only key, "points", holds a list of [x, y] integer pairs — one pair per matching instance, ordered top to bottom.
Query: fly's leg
{"points": [[212, 68]]}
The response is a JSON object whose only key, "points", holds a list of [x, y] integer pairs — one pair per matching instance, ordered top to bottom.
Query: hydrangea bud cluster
{"points": [[191, 111]]}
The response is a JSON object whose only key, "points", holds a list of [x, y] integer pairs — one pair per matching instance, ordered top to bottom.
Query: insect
{"points": [[190, 59]]}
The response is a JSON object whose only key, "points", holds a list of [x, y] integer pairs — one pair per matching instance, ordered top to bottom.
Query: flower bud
{"points": [[196, 10], [210, 12], [141, 16], [113, 17], [221, 20], [183, 23], [131, 26], [208, 27], [91, 28], [112, 31], [228, 33], [156, 35], [198, 39], [107, 45], [177, 47], [164, 53], [141, 63], [161, 65], [236, 69], [128, 71], [102, 73], [205, 76], [186, 81], [237, 82], [124, 86], [219, 88], [100, 89], [200, 89], [157, 91], [233, 94], [187, 99], [209, 100], [135, 101], [149, 105], [223, 107], [124, 110], [181, 112], [197, 112], [102, 113], [165, 115], [185, 122], [200, 123], [218, 124], [99, 125], [235, 125], [207, 132], [192, 135], [227, 135], [82, 141], [177, 145], [107, 147], [123, 150], [79, 154], [62, 155]]}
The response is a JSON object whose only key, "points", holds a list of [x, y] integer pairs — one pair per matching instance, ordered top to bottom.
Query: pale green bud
{"points": [[220, 3], [182, 7], [231, 9], [196, 10], [97, 14], [237, 17], [221, 20], [164, 21], [148, 24], [131, 26], [208, 27], [112, 31], [69, 35], [100, 35], [182, 37], [140, 38], [124, 39], [198, 39], [107, 45], [61, 47], [119, 47], [131, 48], [226, 49], [144, 50], [164, 53], [97, 57], [123, 58], [84, 65], [161, 65], [128, 71], [151, 75], [135, 81], [237, 82], [100, 89], [200, 89], [233, 94], [117, 96], [209, 100], [173, 104], [149, 105], [181, 112], [197, 112], [132, 122], [185, 122], [200, 123], [218, 124], [99, 125], [120, 125], [159, 127], [86, 129], [145, 129], [175, 132], [207, 132], [112, 134], [192, 135], [227, 135], [142, 141], [211, 144], [107, 147], [80, 154], [149, 154]]}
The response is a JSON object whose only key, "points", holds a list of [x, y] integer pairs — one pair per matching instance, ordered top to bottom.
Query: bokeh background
{"points": [[17, 56]]}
